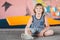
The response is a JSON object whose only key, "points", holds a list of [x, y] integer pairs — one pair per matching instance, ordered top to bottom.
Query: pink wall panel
{"points": [[18, 8], [2, 12]]}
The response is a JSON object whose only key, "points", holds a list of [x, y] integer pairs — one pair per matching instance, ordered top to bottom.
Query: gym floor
{"points": [[15, 34]]}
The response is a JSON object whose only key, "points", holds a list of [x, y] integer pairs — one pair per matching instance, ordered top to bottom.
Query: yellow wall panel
{"points": [[18, 20], [53, 22]]}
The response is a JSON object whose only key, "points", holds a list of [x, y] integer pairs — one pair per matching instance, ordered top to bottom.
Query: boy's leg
{"points": [[33, 32], [39, 32], [49, 33]]}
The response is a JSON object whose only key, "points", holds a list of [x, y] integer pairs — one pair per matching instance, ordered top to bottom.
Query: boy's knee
{"points": [[49, 32]]}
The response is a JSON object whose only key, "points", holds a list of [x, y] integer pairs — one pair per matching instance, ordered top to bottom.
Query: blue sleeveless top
{"points": [[38, 23]]}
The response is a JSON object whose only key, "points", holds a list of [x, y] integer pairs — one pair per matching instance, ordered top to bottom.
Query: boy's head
{"points": [[39, 8]]}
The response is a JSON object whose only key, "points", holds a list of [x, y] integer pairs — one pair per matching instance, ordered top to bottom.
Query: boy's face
{"points": [[38, 9]]}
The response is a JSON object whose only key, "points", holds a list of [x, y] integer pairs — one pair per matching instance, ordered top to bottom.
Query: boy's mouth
{"points": [[38, 13]]}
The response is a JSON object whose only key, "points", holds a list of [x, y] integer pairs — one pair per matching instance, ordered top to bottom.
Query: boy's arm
{"points": [[29, 22], [47, 25]]}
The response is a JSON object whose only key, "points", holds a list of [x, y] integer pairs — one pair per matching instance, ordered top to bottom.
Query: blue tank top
{"points": [[38, 23]]}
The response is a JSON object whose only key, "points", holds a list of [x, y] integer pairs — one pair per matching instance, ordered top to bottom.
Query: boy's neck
{"points": [[38, 16]]}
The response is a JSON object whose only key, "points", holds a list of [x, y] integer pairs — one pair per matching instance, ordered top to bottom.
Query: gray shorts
{"points": [[33, 30]]}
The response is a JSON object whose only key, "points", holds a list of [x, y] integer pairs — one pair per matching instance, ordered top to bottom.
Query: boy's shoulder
{"points": [[33, 16]]}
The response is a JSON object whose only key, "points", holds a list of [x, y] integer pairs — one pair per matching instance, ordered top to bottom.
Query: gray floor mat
{"points": [[15, 34]]}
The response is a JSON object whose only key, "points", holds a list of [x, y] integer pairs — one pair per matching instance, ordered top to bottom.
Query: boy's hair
{"points": [[39, 4]]}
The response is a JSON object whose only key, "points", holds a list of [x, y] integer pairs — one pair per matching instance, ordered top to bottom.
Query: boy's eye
{"points": [[36, 8], [40, 8]]}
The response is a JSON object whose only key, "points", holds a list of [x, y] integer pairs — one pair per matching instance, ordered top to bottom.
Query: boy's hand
{"points": [[28, 30]]}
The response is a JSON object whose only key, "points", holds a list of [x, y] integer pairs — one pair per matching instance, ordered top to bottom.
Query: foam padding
{"points": [[18, 20], [23, 20], [53, 22], [4, 24]]}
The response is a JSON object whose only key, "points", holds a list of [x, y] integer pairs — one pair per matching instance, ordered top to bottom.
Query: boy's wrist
{"points": [[27, 27]]}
